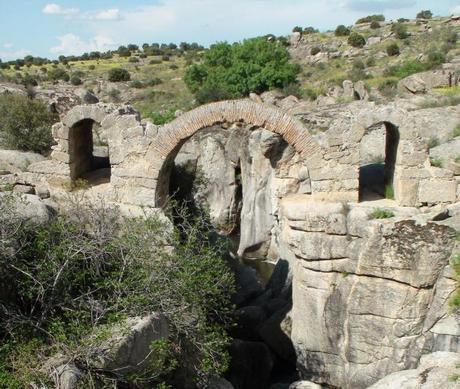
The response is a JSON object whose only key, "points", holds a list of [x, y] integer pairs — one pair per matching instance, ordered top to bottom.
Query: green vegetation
{"points": [[425, 14], [371, 18], [375, 25], [341, 30], [400, 30], [356, 40], [393, 49], [233, 71], [58, 74], [119, 74], [160, 118], [25, 123], [456, 132], [433, 142], [436, 162], [389, 192], [380, 213], [455, 263], [117, 268]]}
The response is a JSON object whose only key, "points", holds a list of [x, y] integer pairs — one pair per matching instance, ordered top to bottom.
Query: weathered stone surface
{"points": [[15, 161], [29, 207], [128, 347], [437, 370], [304, 385]]}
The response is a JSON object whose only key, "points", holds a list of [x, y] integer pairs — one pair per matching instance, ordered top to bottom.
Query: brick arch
{"points": [[171, 137]]}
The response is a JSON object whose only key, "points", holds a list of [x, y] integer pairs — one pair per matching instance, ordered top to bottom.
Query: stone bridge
{"points": [[140, 155]]}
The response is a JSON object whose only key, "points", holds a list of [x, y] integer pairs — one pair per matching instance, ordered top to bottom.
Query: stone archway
{"points": [[171, 137]]}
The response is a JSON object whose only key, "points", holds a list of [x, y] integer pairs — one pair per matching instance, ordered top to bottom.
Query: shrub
{"points": [[425, 14], [370, 19], [403, 20], [375, 24], [297, 29], [310, 30], [341, 30], [400, 30], [356, 40], [393, 49], [315, 50], [165, 58], [133, 59], [435, 59], [155, 62], [370, 62], [173, 66], [91, 67], [405, 69], [232, 71], [57, 73], [119, 74], [28, 80], [75, 80], [154, 81], [137, 84], [388, 88], [114, 94], [310, 94], [160, 118], [25, 124], [456, 131], [433, 142], [436, 162], [380, 213], [93, 268]]}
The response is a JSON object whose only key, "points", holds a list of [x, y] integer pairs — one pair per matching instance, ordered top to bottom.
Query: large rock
{"points": [[423, 82], [14, 161], [27, 207], [338, 279], [128, 347], [437, 370]]}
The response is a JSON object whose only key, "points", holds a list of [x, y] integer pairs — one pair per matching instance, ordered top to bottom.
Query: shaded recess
{"points": [[87, 162], [376, 175]]}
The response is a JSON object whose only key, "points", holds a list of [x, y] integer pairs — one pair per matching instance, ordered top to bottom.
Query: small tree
{"points": [[425, 14], [370, 19], [297, 29], [310, 30], [341, 30], [400, 30], [356, 40], [393, 49], [119, 74], [25, 124]]}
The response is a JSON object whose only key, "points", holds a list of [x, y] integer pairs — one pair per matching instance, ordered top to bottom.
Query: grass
{"points": [[456, 131], [433, 142], [436, 162], [389, 192], [380, 213]]}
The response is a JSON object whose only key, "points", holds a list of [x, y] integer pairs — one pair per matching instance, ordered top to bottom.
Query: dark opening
{"points": [[89, 155], [377, 170]]}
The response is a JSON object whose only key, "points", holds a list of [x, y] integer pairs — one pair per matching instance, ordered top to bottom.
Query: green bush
{"points": [[425, 14], [370, 19], [403, 20], [375, 24], [297, 29], [310, 30], [341, 30], [400, 30], [356, 40], [393, 49], [315, 50], [133, 59], [435, 59], [405, 69], [233, 71], [56, 74], [119, 74], [75, 80], [137, 84], [388, 88], [160, 118], [25, 124], [456, 131], [433, 142], [436, 162], [380, 213], [72, 280]]}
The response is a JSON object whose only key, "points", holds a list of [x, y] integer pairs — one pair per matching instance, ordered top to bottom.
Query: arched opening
{"points": [[378, 151], [89, 153], [237, 172]]}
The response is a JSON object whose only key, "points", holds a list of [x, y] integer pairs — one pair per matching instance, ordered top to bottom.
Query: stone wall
{"points": [[369, 296]]}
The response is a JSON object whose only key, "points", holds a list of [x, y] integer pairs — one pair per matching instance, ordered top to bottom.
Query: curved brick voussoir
{"points": [[250, 112]]}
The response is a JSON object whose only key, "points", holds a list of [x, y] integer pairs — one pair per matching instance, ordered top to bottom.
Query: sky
{"points": [[71, 27]]}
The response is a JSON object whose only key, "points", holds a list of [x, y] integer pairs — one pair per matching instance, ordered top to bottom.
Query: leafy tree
{"points": [[425, 14], [297, 29], [310, 30], [341, 30], [356, 40], [233, 71], [58, 74], [119, 74], [25, 124]]}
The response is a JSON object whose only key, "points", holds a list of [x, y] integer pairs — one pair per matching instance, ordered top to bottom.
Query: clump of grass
{"points": [[456, 131], [433, 142], [457, 159], [436, 162], [389, 192], [380, 213], [455, 263]]}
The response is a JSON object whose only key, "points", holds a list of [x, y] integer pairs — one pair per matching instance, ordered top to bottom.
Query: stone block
{"points": [[435, 191]]}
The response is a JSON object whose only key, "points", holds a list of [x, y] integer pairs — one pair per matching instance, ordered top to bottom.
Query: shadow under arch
{"points": [[172, 136], [85, 161], [376, 178]]}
